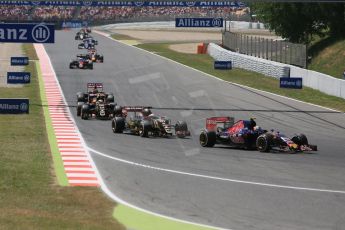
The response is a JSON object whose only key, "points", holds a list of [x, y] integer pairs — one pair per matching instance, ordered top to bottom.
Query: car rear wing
{"points": [[93, 85], [135, 108], [211, 122]]}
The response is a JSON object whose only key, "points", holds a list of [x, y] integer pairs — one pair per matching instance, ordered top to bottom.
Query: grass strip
{"points": [[204, 63], [29, 195], [138, 220]]}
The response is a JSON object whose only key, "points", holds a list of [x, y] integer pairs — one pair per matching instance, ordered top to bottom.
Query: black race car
{"points": [[81, 35], [93, 56], [81, 63], [95, 103], [146, 124]]}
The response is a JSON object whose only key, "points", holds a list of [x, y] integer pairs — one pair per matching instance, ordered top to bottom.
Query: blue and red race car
{"points": [[223, 130]]}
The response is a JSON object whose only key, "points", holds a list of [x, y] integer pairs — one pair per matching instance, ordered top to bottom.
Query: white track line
{"points": [[214, 177]]}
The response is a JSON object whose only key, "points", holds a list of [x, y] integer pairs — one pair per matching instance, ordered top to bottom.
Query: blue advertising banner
{"points": [[128, 3], [199, 22], [73, 24], [27, 32], [19, 61], [222, 65], [18, 77], [291, 82], [14, 105]]}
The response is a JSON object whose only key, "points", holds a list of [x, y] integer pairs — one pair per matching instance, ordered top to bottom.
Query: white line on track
{"points": [[214, 177]]}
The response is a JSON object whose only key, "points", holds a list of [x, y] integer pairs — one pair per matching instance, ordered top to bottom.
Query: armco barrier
{"points": [[243, 61], [325, 83]]}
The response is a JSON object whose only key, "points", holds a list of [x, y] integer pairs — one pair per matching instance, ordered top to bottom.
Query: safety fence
{"points": [[266, 48], [319, 81]]}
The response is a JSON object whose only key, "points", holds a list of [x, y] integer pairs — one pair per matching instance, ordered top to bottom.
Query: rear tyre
{"points": [[80, 97], [110, 98], [79, 105], [84, 112], [118, 124], [207, 139], [263, 143]]}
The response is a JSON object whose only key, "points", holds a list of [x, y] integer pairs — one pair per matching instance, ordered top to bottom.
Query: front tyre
{"points": [[262, 143]]}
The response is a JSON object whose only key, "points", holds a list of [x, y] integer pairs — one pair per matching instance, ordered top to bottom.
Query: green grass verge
{"points": [[122, 37], [328, 56], [204, 63], [29, 195], [139, 220]]}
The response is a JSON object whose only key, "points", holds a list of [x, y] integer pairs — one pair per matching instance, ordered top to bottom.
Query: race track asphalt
{"points": [[221, 199]]}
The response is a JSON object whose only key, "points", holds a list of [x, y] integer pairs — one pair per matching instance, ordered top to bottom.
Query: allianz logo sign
{"points": [[21, 32], [22, 107]]}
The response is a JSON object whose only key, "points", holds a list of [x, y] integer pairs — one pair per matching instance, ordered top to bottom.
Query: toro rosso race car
{"points": [[93, 56], [81, 63], [95, 103], [145, 124], [223, 130], [275, 141]]}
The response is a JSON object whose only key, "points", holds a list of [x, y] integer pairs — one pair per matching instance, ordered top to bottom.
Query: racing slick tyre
{"points": [[71, 66], [80, 97], [110, 98], [79, 105], [117, 111], [84, 112], [118, 124], [144, 129], [207, 139], [300, 139], [263, 143]]}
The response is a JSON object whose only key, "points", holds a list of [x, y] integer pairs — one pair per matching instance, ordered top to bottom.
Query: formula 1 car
{"points": [[81, 35], [88, 43], [93, 56], [81, 63], [95, 103], [146, 124], [224, 130], [275, 141]]}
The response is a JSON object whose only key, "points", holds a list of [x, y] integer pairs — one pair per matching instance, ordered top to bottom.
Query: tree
{"points": [[297, 22]]}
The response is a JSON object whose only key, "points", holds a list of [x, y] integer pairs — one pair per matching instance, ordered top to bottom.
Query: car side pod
{"points": [[207, 138]]}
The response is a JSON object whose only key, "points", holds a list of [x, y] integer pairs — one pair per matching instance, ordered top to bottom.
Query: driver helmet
{"points": [[100, 100], [146, 112], [257, 128]]}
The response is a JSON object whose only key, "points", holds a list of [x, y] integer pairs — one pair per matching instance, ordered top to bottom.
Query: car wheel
{"points": [[79, 105], [84, 112], [118, 124], [144, 129], [207, 139], [300, 139], [262, 143]]}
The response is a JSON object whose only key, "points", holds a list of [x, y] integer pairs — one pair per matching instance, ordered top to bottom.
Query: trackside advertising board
{"points": [[128, 3], [199, 22], [73, 24], [27, 32], [19, 61], [222, 65], [18, 77], [291, 82], [14, 105]]}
